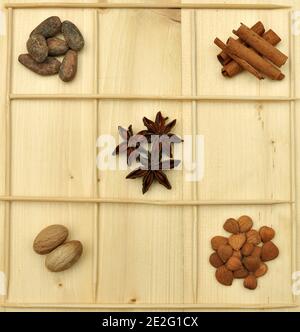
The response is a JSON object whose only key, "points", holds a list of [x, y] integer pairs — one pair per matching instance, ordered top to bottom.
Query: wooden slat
{"points": [[153, 5], [148, 97]]}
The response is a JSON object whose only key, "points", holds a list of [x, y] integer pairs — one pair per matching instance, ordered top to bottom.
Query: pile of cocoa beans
{"points": [[44, 46]]}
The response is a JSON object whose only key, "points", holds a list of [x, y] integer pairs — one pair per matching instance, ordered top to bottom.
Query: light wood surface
{"points": [[146, 252]]}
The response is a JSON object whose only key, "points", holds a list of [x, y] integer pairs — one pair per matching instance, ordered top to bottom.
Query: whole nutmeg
{"points": [[245, 224], [231, 226], [266, 233], [253, 237], [50, 238], [217, 241], [237, 241], [247, 249], [269, 251], [225, 252], [256, 252], [64, 256], [215, 260], [251, 263], [233, 264], [261, 271], [241, 273], [224, 276], [250, 282]]}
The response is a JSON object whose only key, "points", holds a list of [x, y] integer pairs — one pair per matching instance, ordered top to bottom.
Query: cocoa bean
{"points": [[48, 28], [72, 35], [57, 46], [37, 48], [49, 67], [68, 67]]}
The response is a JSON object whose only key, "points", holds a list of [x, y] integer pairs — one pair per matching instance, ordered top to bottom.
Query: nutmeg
{"points": [[245, 224], [231, 226], [266, 233], [253, 237], [217, 241], [250, 282]]}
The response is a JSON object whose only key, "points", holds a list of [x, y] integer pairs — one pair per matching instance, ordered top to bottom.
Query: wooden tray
{"points": [[145, 252]]}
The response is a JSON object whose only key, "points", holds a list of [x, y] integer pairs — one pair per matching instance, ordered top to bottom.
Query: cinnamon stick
{"points": [[261, 45], [224, 58], [254, 59], [244, 64], [232, 68]]}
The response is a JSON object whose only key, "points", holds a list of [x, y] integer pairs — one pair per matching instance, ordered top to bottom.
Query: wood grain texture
{"points": [[67, 168], [146, 255], [73, 285]]}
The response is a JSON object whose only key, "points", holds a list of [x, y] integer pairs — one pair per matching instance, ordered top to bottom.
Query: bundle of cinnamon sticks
{"points": [[254, 51]]}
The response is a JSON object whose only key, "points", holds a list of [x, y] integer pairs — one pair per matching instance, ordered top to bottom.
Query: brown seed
{"points": [[48, 28], [72, 35], [57, 46], [37, 48], [49, 67], [68, 67], [245, 224], [231, 226], [266, 233], [253, 237], [49, 238], [237, 240], [217, 241], [247, 249], [269, 251], [225, 252], [256, 252], [237, 254], [64, 256], [215, 260], [251, 263], [234, 264], [261, 271], [241, 273], [224, 276], [250, 282]]}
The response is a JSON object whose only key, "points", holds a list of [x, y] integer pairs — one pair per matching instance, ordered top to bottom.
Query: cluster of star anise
{"points": [[148, 148]]}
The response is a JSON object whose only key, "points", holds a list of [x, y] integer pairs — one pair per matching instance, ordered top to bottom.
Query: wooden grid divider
{"points": [[165, 5], [149, 97], [194, 132], [8, 136], [293, 146], [54, 199], [195, 202], [97, 206], [155, 306]]}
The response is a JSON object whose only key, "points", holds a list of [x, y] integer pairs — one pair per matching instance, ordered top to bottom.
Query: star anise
{"points": [[159, 134], [130, 145], [152, 169]]}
